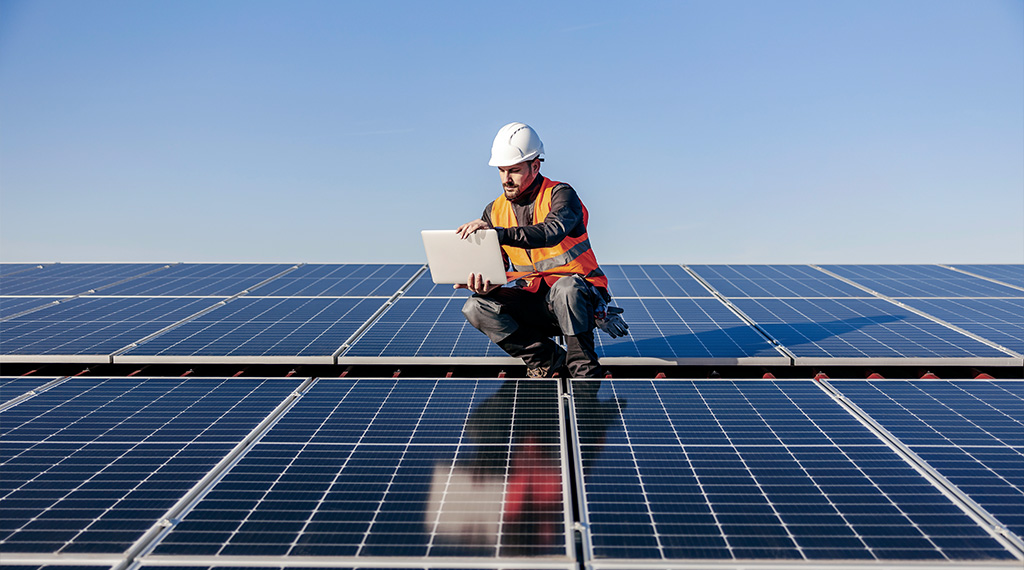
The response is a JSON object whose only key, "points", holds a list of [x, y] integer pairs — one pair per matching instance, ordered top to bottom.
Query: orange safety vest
{"points": [[572, 255]]}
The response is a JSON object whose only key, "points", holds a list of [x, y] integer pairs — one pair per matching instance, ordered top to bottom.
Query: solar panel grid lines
{"points": [[7, 269], [1006, 274], [74, 278], [202, 279], [342, 280], [626, 280], [799, 281], [917, 281], [11, 307], [999, 321], [91, 329], [15, 389], [967, 433], [93, 463], [362, 468], [828, 488]]}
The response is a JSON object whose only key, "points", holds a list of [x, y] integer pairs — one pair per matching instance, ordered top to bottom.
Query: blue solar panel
{"points": [[12, 268], [1009, 274], [72, 278], [200, 279], [355, 280], [652, 281], [774, 281], [920, 281], [424, 286], [10, 306], [998, 320], [93, 325], [253, 326], [424, 327], [858, 328], [684, 329], [12, 387], [971, 431], [93, 463], [362, 468], [753, 470]]}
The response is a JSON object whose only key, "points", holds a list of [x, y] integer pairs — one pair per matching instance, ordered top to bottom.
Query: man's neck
{"points": [[531, 191]]}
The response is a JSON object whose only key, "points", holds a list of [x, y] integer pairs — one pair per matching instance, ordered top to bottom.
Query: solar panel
{"points": [[12, 268], [1009, 274], [72, 278], [200, 279], [355, 280], [652, 281], [774, 281], [920, 281], [424, 286], [10, 306], [998, 320], [92, 326], [255, 327], [423, 327], [842, 329], [686, 330], [12, 387], [971, 431], [93, 463], [409, 469], [677, 470]]}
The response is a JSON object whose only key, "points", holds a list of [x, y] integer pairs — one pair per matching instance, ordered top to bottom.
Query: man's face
{"points": [[518, 177]]}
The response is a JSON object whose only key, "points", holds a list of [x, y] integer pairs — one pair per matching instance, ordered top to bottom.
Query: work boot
{"points": [[557, 368]]}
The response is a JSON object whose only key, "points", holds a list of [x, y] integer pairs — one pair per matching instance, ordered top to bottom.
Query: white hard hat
{"points": [[515, 143]]}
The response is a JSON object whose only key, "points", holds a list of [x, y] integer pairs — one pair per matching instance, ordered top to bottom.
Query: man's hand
{"points": [[469, 227], [477, 284], [610, 321]]}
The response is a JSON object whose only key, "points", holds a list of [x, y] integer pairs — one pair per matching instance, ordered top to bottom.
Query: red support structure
{"points": [[30, 372], [82, 372], [187, 372], [397, 372], [239, 373], [290, 373], [501, 374], [659, 376], [768, 376], [821, 376], [875, 376], [929, 376], [983, 376]]}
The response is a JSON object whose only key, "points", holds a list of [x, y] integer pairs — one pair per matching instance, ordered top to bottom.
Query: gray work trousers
{"points": [[522, 324]]}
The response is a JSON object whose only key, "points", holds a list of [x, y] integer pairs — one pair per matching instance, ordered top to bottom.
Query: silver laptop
{"points": [[452, 259]]}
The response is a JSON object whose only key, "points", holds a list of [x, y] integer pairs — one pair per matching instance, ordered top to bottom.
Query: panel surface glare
{"points": [[72, 278], [200, 279], [920, 281], [94, 325], [255, 326], [858, 328], [971, 431], [91, 464], [369, 468], [741, 470]]}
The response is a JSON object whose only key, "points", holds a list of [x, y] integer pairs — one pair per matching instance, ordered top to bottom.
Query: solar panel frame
{"points": [[1009, 274], [65, 279], [200, 280], [340, 280], [774, 281], [899, 281], [998, 320], [865, 332], [664, 429], [92, 464], [310, 488]]}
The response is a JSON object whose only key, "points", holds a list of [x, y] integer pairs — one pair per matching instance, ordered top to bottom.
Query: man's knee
{"points": [[571, 292], [479, 311]]}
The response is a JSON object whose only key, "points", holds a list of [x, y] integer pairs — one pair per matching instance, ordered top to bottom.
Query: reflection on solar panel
{"points": [[1009, 274], [72, 278], [200, 279], [355, 280], [652, 281], [774, 281], [920, 281], [998, 320], [93, 325], [255, 327], [423, 327], [858, 328], [693, 329], [971, 431], [93, 463], [395, 468], [676, 470]]}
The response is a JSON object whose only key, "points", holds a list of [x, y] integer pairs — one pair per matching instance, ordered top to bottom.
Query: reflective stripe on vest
{"points": [[572, 255]]}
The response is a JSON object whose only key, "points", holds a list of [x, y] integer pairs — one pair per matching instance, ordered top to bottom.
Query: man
{"points": [[558, 287]]}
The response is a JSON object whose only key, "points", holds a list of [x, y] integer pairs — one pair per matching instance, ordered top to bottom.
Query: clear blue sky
{"points": [[696, 132]]}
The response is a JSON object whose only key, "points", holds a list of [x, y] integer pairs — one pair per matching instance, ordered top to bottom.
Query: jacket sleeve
{"points": [[564, 219]]}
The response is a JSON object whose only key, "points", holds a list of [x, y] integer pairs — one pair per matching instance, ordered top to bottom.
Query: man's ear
{"points": [[535, 166]]}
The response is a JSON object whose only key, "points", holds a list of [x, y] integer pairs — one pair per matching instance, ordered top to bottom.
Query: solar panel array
{"points": [[358, 313], [356, 472], [498, 473]]}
